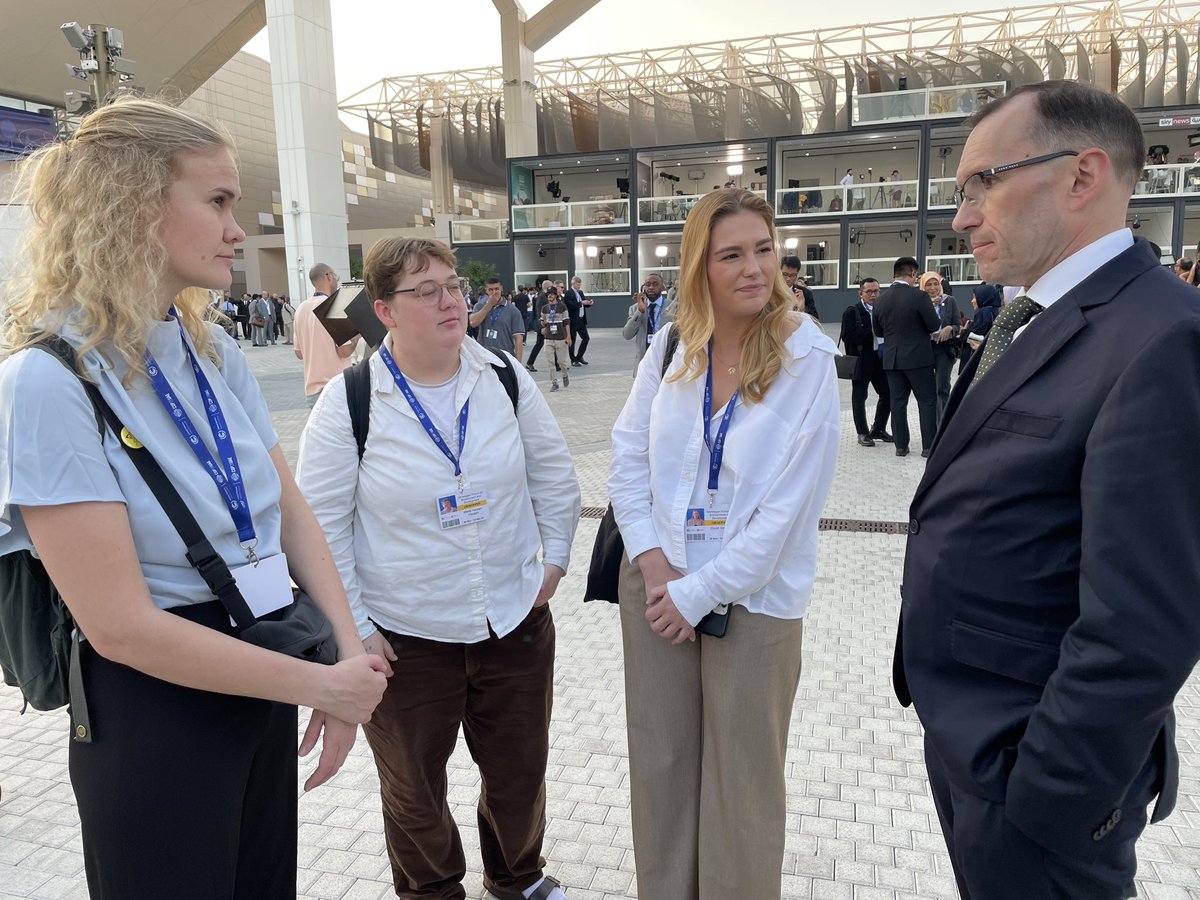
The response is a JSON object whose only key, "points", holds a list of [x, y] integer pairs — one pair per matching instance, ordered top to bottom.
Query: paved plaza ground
{"points": [[860, 821]]}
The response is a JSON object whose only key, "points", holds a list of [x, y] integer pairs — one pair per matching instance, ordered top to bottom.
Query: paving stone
{"points": [[860, 820]]}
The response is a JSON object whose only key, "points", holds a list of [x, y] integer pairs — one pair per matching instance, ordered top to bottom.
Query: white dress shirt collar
{"points": [[1077, 267]]}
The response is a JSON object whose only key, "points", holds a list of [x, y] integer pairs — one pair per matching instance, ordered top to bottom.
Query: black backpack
{"points": [[358, 394], [38, 653]]}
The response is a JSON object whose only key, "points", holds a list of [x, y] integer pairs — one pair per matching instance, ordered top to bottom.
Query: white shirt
{"points": [[847, 179], [1074, 269], [779, 461], [380, 517]]}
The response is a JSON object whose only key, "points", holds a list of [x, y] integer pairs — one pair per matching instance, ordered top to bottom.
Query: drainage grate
{"points": [[869, 526]]}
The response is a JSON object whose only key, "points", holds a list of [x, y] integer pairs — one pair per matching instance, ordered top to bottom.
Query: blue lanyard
{"points": [[494, 315], [423, 417], [716, 448], [228, 479]]}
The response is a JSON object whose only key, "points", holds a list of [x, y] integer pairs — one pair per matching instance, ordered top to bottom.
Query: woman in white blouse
{"points": [[451, 535], [708, 716]]}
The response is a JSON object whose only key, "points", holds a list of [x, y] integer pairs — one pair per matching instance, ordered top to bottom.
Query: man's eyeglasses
{"points": [[969, 194], [430, 291]]}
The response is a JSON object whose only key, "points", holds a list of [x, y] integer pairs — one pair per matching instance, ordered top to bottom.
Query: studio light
{"points": [[735, 169], [791, 243], [591, 251], [661, 251]]}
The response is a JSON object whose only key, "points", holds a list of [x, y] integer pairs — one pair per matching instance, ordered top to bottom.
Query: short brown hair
{"points": [[1074, 116], [393, 258]]}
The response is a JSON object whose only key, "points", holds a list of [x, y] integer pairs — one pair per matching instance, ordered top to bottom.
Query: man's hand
{"points": [[640, 299], [551, 576], [665, 618], [379, 645]]}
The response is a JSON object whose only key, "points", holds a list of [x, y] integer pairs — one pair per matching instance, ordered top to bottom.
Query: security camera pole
{"points": [[102, 61]]}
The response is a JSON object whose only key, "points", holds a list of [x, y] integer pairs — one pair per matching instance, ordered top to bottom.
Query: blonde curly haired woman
{"points": [[745, 429], [188, 787]]}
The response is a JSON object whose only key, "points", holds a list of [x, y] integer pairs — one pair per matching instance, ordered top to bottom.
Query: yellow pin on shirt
{"points": [[129, 440]]}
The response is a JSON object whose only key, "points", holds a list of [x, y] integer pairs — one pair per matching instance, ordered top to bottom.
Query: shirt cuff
{"points": [[639, 537], [556, 553], [691, 598]]}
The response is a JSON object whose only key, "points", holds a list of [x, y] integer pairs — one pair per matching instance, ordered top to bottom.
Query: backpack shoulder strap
{"points": [[669, 352], [65, 353], [508, 377], [358, 402]]}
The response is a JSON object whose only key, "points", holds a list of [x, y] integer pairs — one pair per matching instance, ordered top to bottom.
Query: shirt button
{"points": [[914, 527]]}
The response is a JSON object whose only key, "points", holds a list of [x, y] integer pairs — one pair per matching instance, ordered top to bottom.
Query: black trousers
{"points": [[579, 331], [537, 348], [943, 365], [877, 379], [919, 382], [183, 793], [994, 860]]}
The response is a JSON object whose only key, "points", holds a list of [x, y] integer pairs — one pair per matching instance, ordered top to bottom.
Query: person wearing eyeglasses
{"points": [[451, 534], [1048, 613]]}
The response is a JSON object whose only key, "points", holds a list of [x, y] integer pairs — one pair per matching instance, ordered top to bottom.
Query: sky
{"points": [[374, 39]]}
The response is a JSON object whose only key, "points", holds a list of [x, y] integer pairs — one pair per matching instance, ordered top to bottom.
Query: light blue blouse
{"points": [[51, 452]]}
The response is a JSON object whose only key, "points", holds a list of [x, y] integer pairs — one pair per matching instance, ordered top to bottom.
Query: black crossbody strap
{"points": [[200, 551]]}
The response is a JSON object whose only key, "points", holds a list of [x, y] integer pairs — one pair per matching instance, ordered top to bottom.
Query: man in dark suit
{"points": [[577, 303], [905, 319], [858, 337], [1049, 603]]}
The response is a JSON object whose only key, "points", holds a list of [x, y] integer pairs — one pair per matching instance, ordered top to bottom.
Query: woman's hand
{"points": [[945, 333], [656, 570], [551, 576], [665, 619], [381, 647], [353, 688], [339, 740]]}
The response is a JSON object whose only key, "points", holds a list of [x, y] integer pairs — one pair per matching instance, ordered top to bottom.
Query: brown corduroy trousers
{"points": [[500, 691]]}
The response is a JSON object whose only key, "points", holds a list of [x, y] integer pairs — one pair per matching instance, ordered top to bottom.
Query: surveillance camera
{"points": [[76, 35], [115, 38], [124, 67], [76, 72], [77, 102]]}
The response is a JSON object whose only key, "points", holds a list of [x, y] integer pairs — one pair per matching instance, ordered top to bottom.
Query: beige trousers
{"points": [[708, 724]]}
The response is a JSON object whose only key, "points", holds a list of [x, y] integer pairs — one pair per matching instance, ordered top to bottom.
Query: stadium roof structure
{"points": [[784, 84]]}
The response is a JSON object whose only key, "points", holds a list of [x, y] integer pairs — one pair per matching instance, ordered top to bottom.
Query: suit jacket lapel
{"points": [[1049, 332]]}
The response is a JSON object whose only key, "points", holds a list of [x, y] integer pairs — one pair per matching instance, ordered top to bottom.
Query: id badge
{"points": [[491, 334], [464, 508], [704, 524], [265, 585]]}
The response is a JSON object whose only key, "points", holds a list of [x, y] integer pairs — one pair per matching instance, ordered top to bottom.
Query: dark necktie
{"points": [[651, 317], [1012, 317]]}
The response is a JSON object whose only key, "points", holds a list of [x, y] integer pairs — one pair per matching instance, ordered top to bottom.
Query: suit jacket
{"points": [[575, 305], [948, 315], [904, 318], [635, 325], [858, 338], [1049, 607]]}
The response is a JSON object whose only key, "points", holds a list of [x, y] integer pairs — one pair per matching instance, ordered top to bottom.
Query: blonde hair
{"points": [[98, 202], [763, 351]]}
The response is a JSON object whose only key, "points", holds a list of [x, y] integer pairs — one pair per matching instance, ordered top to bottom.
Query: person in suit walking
{"points": [[577, 303], [647, 314], [905, 319], [858, 337], [945, 339], [1044, 671]]}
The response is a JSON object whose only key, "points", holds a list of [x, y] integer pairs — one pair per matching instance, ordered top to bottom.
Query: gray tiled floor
{"points": [[860, 820]]}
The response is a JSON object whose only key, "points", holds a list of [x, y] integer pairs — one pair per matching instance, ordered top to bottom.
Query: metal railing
{"points": [[859, 197], [673, 209], [577, 214], [477, 231], [958, 267], [537, 277], [598, 282]]}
